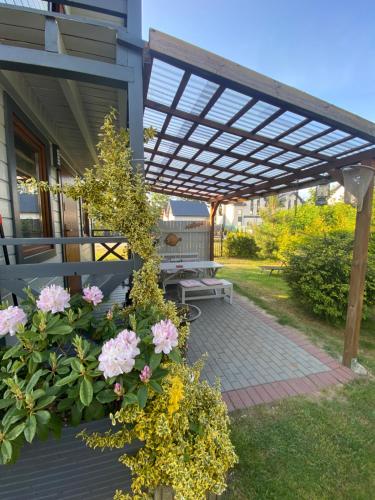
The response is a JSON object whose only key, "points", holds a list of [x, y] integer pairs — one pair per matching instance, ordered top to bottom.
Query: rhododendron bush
{"points": [[72, 365], [55, 375]]}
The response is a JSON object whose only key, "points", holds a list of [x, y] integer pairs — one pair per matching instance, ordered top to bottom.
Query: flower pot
{"points": [[66, 469]]}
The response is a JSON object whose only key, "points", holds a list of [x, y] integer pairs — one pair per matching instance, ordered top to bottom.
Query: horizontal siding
{"points": [[66, 469]]}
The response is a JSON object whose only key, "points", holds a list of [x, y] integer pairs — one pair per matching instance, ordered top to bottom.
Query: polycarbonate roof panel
{"points": [[164, 82], [196, 95], [229, 103], [255, 116], [154, 119], [281, 124], [178, 127], [306, 132], [202, 134], [214, 138], [325, 140], [225, 141], [345, 146], [247, 147], [266, 152], [207, 156], [225, 161]]}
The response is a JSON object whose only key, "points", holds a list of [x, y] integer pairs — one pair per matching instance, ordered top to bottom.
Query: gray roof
{"points": [[182, 208]]}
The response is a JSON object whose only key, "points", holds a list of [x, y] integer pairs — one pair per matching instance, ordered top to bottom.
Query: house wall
{"points": [[6, 209], [241, 216], [184, 219]]}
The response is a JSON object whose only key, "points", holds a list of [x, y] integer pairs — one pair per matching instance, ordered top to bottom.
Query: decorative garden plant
{"points": [[58, 375]]}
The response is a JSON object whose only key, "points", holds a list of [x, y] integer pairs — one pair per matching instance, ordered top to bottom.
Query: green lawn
{"points": [[318, 447]]}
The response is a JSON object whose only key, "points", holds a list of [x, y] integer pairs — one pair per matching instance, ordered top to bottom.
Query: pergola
{"points": [[226, 134]]}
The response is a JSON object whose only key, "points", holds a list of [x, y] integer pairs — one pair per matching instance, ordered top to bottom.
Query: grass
{"points": [[317, 447], [307, 449]]}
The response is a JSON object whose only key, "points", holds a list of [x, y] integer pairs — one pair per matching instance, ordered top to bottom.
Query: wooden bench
{"points": [[272, 269], [222, 289]]}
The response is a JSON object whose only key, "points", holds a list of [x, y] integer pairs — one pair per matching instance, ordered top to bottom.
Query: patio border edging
{"points": [[249, 396]]}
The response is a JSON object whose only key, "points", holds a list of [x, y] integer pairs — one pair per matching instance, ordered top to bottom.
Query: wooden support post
{"points": [[213, 209], [358, 277]]}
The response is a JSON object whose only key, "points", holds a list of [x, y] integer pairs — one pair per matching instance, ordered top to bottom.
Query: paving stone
{"points": [[247, 348]]}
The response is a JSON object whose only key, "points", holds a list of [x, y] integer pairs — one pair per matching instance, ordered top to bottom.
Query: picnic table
{"points": [[171, 270]]}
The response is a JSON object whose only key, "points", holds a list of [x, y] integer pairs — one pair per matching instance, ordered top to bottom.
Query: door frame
{"points": [[69, 281]]}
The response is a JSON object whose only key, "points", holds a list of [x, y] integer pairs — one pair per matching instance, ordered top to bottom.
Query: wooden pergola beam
{"points": [[230, 129], [306, 172], [213, 209], [358, 276]]}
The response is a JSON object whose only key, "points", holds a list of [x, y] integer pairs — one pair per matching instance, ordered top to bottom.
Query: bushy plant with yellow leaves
{"points": [[185, 437]]}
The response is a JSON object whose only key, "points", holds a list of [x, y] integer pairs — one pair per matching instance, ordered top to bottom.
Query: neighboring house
{"points": [[336, 193], [182, 210], [242, 215]]}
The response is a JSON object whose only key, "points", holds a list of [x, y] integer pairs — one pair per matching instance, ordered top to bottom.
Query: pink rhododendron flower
{"points": [[93, 294], [53, 299], [11, 319], [165, 336], [118, 354], [145, 374]]}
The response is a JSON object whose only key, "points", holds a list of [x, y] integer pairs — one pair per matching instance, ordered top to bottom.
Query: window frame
{"points": [[18, 123]]}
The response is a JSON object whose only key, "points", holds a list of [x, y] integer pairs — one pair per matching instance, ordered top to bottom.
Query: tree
{"points": [[159, 202]]}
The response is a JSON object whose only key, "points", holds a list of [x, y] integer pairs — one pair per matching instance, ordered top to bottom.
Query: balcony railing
{"points": [[101, 251], [14, 277]]}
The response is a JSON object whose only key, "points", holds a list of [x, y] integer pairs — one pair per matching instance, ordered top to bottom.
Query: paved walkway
{"points": [[257, 359]]}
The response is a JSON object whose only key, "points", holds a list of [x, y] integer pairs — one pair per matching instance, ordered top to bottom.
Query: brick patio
{"points": [[257, 359]]}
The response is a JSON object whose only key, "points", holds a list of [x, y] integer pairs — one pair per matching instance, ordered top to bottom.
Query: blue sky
{"points": [[324, 47]]}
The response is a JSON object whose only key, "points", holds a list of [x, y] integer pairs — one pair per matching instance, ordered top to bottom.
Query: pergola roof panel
{"points": [[196, 95], [227, 105], [217, 121]]}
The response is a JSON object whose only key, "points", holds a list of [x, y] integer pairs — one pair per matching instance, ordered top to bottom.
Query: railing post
{"points": [[135, 88]]}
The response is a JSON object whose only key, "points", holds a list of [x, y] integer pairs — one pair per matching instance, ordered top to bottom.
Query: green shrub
{"points": [[282, 230], [240, 245], [318, 273]]}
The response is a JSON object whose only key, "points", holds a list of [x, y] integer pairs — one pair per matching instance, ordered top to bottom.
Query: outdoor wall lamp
{"points": [[357, 180]]}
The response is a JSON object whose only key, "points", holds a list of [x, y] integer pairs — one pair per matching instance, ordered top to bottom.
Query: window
{"points": [[34, 217]]}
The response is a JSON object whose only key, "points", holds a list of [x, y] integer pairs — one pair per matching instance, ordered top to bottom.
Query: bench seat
{"points": [[222, 289]]}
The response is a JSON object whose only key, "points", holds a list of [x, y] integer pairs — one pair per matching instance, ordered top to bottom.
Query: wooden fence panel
{"points": [[194, 237]]}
